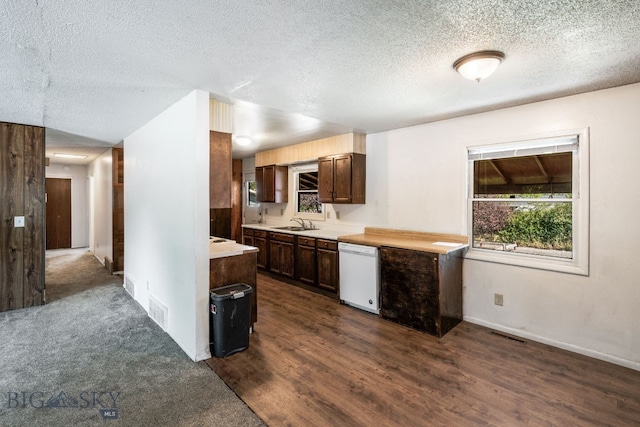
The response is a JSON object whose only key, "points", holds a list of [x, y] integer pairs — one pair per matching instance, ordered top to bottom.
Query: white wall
{"points": [[416, 180], [79, 200], [101, 206], [167, 218]]}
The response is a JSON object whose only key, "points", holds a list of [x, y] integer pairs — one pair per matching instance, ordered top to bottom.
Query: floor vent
{"points": [[130, 286], [158, 312], [509, 337]]}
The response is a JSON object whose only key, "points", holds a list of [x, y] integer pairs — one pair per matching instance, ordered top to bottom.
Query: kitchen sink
{"points": [[290, 228]]}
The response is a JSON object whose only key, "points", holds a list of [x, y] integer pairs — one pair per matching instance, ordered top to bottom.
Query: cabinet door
{"points": [[325, 179], [342, 179], [269, 183], [260, 184], [265, 184], [272, 184], [281, 184], [247, 239], [261, 244], [274, 257], [286, 259], [306, 264], [328, 269], [409, 288]]}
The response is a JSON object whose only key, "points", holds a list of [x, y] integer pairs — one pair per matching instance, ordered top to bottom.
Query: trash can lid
{"points": [[230, 290]]}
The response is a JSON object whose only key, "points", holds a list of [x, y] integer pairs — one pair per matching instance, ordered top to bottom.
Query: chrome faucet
{"points": [[300, 221]]}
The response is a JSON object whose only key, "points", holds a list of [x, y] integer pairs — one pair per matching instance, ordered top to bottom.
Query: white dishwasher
{"points": [[359, 276]]}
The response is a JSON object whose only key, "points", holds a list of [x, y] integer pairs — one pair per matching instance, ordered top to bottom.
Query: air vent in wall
{"points": [[130, 286], [158, 312], [509, 337]]}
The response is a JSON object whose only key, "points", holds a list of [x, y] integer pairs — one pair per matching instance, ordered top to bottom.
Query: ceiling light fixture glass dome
{"points": [[478, 65], [243, 141]]}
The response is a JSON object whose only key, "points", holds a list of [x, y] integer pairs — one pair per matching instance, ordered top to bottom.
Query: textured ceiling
{"points": [[103, 69]]}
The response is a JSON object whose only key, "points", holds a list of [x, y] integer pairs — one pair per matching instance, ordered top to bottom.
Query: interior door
{"points": [[58, 214]]}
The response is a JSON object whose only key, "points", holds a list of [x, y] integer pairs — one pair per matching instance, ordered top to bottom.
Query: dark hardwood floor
{"points": [[314, 362]]}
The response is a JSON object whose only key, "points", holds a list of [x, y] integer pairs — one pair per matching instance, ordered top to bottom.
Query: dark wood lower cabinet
{"points": [[247, 237], [260, 242], [327, 253], [281, 255], [306, 260], [309, 262], [236, 269], [421, 290]]}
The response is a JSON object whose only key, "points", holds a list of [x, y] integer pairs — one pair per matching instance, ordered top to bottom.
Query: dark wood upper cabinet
{"points": [[219, 170], [342, 178], [272, 184]]}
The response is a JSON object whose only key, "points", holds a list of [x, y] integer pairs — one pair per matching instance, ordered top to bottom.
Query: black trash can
{"points": [[230, 319]]}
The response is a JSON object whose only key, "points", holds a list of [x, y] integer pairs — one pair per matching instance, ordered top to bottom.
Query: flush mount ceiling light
{"points": [[478, 65], [243, 140], [69, 156]]}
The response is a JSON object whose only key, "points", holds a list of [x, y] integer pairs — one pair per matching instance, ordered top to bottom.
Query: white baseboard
{"points": [[569, 347]]}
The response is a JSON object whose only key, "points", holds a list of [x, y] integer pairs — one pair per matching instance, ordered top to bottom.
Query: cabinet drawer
{"points": [[247, 232], [259, 233], [280, 237], [306, 241], [328, 244]]}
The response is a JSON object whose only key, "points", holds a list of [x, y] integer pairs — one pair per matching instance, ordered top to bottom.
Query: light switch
{"points": [[18, 221]]}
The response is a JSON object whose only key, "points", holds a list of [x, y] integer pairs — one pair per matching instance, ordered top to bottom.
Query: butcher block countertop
{"points": [[405, 239]]}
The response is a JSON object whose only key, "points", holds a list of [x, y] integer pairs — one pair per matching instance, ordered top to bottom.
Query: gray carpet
{"points": [[92, 356]]}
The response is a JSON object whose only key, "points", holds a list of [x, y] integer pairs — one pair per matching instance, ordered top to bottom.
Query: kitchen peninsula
{"points": [[231, 262], [420, 276]]}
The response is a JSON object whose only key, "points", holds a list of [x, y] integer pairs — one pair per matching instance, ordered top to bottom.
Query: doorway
{"points": [[58, 213]]}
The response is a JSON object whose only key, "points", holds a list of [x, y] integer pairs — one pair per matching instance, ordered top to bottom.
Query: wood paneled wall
{"points": [[220, 116], [312, 150], [220, 164], [22, 193], [236, 200], [118, 208]]}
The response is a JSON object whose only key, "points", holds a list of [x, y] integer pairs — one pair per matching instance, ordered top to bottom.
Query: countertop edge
{"points": [[317, 233], [411, 244], [238, 249]]}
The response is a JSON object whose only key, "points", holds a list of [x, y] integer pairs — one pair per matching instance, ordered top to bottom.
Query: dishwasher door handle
{"points": [[357, 249]]}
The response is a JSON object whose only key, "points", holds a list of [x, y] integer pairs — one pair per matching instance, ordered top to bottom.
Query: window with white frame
{"points": [[528, 202], [307, 203]]}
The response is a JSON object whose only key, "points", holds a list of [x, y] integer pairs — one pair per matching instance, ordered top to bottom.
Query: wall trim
{"points": [[569, 347]]}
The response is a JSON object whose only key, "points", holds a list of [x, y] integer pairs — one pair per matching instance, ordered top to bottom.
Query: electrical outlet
{"points": [[266, 211], [281, 211], [328, 214], [337, 214], [18, 222], [498, 299]]}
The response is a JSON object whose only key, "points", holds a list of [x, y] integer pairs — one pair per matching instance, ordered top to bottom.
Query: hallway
{"points": [[70, 271]]}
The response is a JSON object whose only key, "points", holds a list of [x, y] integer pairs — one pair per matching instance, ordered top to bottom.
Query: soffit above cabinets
{"points": [[312, 150]]}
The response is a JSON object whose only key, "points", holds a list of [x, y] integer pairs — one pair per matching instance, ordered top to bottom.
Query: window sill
{"points": [[569, 266]]}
